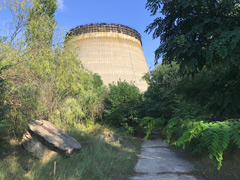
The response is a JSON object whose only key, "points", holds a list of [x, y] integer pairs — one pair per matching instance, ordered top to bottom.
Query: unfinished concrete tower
{"points": [[113, 51]]}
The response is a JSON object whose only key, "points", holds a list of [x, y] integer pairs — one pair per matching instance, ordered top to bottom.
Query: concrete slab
{"points": [[154, 143], [158, 162], [164, 177]]}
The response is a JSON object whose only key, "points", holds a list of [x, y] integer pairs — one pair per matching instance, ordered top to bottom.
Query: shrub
{"points": [[160, 99], [121, 105]]}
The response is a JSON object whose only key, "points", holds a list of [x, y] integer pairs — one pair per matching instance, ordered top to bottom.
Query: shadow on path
{"points": [[158, 162]]}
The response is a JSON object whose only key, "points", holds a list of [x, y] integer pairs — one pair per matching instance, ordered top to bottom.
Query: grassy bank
{"points": [[104, 155]]}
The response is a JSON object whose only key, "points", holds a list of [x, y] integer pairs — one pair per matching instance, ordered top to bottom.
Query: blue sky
{"points": [[72, 13]]}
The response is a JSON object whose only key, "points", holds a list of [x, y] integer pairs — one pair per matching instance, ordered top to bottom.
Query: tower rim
{"points": [[104, 27]]}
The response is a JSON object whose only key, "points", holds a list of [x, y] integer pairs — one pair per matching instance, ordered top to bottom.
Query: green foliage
{"points": [[41, 24], [196, 33], [97, 80], [42, 81], [47, 85], [215, 90], [160, 99], [198, 99], [122, 104], [3, 106], [204, 118], [149, 123], [3, 125], [171, 128], [193, 130], [214, 137]]}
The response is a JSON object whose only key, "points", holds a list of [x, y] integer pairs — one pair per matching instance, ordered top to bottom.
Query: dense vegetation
{"points": [[196, 34], [41, 79], [194, 95], [121, 106], [188, 111]]}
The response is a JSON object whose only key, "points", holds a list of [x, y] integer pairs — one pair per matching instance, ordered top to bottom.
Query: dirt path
{"points": [[158, 162]]}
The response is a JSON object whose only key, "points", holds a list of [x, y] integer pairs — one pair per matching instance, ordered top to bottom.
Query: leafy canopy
{"points": [[41, 22], [196, 33]]}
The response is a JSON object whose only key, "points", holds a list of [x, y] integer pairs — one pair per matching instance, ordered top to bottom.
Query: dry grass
{"points": [[99, 158]]}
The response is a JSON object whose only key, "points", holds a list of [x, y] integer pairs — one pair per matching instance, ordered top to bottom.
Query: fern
{"points": [[150, 123], [171, 128], [194, 131], [235, 132], [215, 136]]}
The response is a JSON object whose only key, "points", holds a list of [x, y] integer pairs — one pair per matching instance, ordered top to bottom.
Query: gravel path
{"points": [[158, 162]]}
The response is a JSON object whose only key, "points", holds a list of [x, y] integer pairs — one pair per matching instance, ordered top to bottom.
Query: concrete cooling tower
{"points": [[113, 51]]}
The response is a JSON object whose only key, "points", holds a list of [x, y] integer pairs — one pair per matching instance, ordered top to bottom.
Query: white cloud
{"points": [[60, 4]]}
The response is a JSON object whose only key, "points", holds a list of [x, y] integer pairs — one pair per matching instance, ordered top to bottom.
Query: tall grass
{"points": [[98, 158]]}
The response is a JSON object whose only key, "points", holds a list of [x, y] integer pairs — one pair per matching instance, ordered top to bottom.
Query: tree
{"points": [[41, 22], [196, 33], [43, 81], [3, 107]]}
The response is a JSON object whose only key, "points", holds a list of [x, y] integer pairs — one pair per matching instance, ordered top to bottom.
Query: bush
{"points": [[160, 99], [121, 106]]}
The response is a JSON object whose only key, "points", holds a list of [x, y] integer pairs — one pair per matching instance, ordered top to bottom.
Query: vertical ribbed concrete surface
{"points": [[112, 55]]}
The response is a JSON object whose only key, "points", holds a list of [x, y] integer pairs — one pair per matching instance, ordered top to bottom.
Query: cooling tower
{"points": [[112, 51]]}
